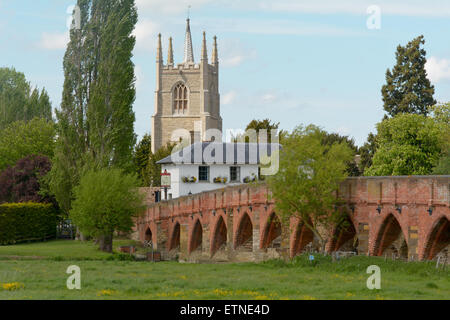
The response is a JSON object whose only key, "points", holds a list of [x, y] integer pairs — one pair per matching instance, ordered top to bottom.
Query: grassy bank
{"points": [[46, 277]]}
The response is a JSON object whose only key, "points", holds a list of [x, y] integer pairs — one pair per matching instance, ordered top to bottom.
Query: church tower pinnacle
{"points": [[188, 49], [204, 49], [170, 53], [215, 53]]}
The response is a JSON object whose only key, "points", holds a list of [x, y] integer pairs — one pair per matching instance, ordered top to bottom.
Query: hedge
{"points": [[22, 222]]}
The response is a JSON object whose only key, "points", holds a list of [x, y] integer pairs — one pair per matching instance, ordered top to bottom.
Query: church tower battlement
{"points": [[186, 94]]}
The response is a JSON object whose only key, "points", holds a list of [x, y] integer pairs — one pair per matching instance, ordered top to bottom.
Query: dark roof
{"points": [[232, 153]]}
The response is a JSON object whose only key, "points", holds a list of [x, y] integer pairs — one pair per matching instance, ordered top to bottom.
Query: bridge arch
{"points": [[272, 233], [148, 235], [244, 235], [219, 236], [175, 237], [302, 237], [345, 237], [196, 238], [391, 239], [438, 239]]}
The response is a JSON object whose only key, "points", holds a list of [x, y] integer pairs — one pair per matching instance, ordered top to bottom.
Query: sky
{"points": [[296, 62]]}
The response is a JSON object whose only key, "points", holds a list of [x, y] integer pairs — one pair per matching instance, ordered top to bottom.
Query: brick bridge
{"points": [[403, 216]]}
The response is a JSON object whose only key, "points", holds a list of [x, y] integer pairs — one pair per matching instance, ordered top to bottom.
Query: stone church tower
{"points": [[187, 94]]}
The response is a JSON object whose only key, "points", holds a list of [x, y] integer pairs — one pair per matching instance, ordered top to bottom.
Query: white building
{"points": [[206, 166]]}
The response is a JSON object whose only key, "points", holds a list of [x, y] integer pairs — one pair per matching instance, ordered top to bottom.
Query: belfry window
{"points": [[180, 98]]}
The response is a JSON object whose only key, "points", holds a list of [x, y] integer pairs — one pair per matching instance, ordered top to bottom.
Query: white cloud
{"points": [[169, 6], [432, 8], [277, 27], [146, 31], [54, 41], [232, 52], [438, 69], [228, 98], [269, 98]]}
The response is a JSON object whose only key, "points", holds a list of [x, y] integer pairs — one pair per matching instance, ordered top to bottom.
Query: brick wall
{"points": [[402, 216]]}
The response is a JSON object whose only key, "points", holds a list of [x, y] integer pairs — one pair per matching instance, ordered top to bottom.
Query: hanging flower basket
{"points": [[253, 178], [189, 179], [220, 180]]}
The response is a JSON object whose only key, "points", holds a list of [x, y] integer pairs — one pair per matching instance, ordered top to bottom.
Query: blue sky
{"points": [[293, 61]]}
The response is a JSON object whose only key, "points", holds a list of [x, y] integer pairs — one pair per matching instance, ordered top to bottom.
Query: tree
{"points": [[407, 88], [18, 101], [110, 109], [441, 114], [96, 120], [265, 124], [259, 125], [22, 138], [332, 138], [409, 144], [367, 151], [142, 153], [154, 169], [307, 182], [21, 183], [106, 201]]}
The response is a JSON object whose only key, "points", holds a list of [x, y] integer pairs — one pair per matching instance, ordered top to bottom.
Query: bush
{"points": [[21, 183], [27, 222]]}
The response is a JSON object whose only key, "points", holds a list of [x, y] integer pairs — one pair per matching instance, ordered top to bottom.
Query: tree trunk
{"points": [[80, 236], [83, 237], [106, 243], [323, 245]]}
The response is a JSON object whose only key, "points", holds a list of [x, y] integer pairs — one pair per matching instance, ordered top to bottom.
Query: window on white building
{"points": [[203, 173], [235, 174]]}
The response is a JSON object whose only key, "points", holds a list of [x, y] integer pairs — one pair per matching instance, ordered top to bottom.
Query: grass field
{"points": [[38, 271]]}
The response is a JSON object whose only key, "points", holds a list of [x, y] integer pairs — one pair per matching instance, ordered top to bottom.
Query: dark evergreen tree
{"points": [[407, 89], [367, 151], [142, 153], [154, 169]]}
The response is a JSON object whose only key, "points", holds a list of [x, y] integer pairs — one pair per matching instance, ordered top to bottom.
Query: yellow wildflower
{"points": [[13, 286]]}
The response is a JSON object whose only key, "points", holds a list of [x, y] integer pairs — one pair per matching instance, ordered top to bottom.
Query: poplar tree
{"points": [[407, 89], [18, 101], [96, 122]]}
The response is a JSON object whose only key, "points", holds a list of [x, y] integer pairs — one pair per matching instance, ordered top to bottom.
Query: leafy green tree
{"points": [[407, 89], [18, 101], [441, 114], [96, 120], [265, 124], [259, 125], [24, 138], [332, 138], [409, 144], [142, 153], [443, 163], [154, 169], [308, 179], [106, 201]]}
